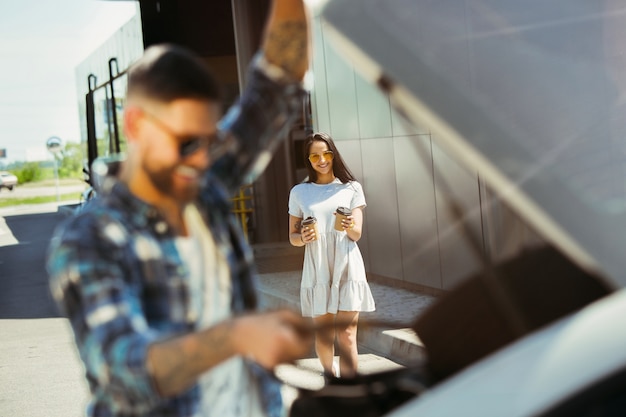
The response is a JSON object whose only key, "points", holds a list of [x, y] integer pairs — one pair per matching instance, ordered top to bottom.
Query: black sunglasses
{"points": [[217, 144]]}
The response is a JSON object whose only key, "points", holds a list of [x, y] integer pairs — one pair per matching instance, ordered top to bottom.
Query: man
{"points": [[154, 274]]}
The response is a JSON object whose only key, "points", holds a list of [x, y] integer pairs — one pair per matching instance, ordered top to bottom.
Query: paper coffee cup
{"points": [[341, 213], [310, 223]]}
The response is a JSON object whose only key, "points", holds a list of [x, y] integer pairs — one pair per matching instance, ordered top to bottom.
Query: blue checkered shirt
{"points": [[117, 275]]}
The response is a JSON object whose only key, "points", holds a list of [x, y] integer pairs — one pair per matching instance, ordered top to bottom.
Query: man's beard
{"points": [[163, 180]]}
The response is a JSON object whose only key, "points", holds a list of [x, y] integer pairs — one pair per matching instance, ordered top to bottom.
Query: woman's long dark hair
{"points": [[340, 169]]}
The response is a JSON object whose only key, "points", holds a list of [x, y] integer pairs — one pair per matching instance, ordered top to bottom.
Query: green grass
{"points": [[52, 183], [9, 202]]}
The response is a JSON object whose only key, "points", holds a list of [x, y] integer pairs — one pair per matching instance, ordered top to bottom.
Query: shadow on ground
{"points": [[23, 279]]}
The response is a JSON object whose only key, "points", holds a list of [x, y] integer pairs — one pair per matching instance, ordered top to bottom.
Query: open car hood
{"points": [[531, 95]]}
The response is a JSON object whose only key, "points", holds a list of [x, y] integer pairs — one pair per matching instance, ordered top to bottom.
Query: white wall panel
{"points": [[319, 95], [342, 99], [374, 110], [400, 127], [351, 153], [417, 210], [382, 211]]}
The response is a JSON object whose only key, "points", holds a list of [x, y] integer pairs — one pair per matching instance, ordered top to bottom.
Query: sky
{"points": [[41, 44]]}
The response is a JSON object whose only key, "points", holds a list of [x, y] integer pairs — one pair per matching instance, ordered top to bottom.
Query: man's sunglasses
{"points": [[216, 144], [315, 157]]}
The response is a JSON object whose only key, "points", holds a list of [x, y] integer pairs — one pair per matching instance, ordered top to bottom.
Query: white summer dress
{"points": [[333, 274]]}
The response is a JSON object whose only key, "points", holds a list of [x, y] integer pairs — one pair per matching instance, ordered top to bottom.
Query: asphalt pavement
{"points": [[24, 287], [40, 372]]}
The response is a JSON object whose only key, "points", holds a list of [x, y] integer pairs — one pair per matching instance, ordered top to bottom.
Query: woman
{"points": [[334, 287]]}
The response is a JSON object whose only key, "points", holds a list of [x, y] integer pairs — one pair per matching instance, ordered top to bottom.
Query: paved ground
{"points": [[280, 265], [24, 286], [40, 373], [42, 376]]}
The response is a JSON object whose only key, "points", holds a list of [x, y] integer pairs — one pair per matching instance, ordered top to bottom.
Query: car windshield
{"points": [[531, 94]]}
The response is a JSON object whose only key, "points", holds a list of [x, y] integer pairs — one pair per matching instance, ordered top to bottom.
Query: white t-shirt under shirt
{"points": [[333, 273], [228, 390]]}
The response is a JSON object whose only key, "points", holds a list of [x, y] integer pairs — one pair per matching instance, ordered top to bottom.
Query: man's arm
{"points": [[286, 41], [273, 98], [257, 121], [269, 339], [116, 343]]}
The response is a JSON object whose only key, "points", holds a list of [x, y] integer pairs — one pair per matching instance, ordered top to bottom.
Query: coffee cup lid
{"points": [[344, 210], [309, 220]]}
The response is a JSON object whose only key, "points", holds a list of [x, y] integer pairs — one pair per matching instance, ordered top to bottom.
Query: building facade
{"points": [[412, 237]]}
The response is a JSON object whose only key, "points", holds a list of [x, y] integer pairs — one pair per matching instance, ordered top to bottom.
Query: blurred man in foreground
{"points": [[155, 275]]}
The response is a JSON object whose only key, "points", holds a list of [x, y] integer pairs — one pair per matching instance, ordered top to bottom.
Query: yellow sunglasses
{"points": [[315, 157]]}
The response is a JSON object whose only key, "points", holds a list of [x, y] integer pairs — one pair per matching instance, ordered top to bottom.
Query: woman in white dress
{"points": [[334, 286]]}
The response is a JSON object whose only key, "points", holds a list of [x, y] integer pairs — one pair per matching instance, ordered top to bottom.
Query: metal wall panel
{"points": [[319, 99], [342, 99], [374, 110], [400, 127], [351, 154], [417, 211], [409, 232], [505, 232], [385, 251], [458, 253]]}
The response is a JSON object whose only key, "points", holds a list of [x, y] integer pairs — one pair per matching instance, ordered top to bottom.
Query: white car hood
{"points": [[528, 94], [538, 371]]}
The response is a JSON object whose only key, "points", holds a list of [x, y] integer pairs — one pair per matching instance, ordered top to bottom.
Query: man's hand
{"points": [[267, 338], [272, 338]]}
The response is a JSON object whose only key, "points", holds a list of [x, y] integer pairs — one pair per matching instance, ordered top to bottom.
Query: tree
{"points": [[71, 161], [29, 172]]}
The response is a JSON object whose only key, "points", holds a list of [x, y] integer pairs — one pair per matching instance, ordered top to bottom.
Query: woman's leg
{"points": [[346, 327], [325, 341]]}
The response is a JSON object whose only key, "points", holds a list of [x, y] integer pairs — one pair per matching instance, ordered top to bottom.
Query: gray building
{"points": [[411, 238]]}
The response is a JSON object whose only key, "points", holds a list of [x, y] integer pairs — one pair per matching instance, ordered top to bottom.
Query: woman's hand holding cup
{"points": [[343, 219], [347, 222], [309, 230]]}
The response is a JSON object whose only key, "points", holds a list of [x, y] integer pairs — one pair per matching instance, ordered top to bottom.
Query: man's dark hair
{"points": [[169, 72]]}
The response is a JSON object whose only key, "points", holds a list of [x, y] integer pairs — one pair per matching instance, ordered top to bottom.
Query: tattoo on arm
{"points": [[286, 46], [177, 363]]}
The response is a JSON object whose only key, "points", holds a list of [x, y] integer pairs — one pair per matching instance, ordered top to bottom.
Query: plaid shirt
{"points": [[116, 273]]}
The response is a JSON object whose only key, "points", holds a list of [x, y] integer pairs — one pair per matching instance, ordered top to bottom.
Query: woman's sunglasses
{"points": [[315, 157]]}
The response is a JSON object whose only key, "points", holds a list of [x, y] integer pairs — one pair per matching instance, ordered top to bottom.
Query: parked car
{"points": [[530, 95], [7, 180]]}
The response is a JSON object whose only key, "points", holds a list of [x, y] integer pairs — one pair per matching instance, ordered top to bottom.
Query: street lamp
{"points": [[54, 145]]}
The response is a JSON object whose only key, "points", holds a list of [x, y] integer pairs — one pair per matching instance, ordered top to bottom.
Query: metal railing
{"points": [[114, 146], [242, 208]]}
